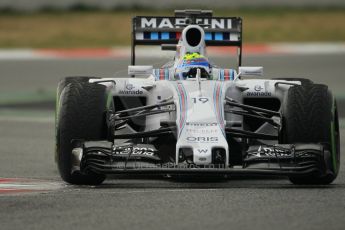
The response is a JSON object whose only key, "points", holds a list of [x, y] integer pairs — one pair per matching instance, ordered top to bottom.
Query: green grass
{"points": [[107, 29]]}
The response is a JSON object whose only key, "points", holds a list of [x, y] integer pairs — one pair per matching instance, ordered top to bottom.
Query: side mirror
{"points": [[142, 70], [252, 71]]}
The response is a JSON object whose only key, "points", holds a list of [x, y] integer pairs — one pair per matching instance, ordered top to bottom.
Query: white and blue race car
{"points": [[190, 117]]}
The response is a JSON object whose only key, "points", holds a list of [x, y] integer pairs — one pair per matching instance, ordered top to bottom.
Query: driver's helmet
{"points": [[189, 64]]}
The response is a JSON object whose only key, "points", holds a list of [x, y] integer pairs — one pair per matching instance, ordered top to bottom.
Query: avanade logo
{"points": [[130, 90]]}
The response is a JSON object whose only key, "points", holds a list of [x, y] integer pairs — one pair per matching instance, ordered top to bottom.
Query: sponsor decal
{"points": [[171, 23], [129, 86], [258, 88], [130, 90], [258, 92], [202, 124], [202, 131], [202, 139], [202, 150], [135, 151], [270, 152]]}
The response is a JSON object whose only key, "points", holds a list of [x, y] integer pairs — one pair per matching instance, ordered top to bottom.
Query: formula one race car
{"points": [[190, 117]]}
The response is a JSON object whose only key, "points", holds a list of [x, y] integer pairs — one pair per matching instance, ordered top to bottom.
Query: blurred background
{"points": [[42, 41]]}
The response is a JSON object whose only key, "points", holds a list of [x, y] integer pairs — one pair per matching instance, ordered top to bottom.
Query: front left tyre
{"points": [[80, 116]]}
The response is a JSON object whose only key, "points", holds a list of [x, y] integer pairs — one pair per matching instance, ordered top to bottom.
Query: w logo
{"points": [[202, 150]]}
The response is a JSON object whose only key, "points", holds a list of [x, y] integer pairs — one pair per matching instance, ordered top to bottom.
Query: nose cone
{"points": [[200, 120]]}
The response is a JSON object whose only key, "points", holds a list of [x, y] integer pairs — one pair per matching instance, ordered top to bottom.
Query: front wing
{"points": [[281, 160]]}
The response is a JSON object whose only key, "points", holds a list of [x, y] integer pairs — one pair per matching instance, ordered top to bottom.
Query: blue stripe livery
{"points": [[154, 35], [165, 36], [208, 36], [218, 36], [222, 74]]}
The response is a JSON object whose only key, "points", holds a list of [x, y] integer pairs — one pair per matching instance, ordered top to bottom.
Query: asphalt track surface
{"points": [[26, 151]]}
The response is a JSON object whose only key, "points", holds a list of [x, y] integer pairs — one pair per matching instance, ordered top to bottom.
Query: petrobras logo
{"points": [[170, 23]]}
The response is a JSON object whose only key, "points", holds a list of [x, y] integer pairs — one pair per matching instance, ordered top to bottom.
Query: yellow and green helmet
{"points": [[192, 61]]}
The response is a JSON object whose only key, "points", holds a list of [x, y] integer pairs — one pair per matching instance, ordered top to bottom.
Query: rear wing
{"points": [[219, 31]]}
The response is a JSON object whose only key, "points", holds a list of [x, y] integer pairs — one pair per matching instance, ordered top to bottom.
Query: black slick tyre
{"points": [[72, 79], [63, 83], [80, 115], [311, 116]]}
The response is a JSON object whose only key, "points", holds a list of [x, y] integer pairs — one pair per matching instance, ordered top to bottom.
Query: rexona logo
{"points": [[130, 90], [202, 139]]}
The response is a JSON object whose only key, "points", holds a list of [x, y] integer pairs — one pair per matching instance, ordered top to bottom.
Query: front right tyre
{"points": [[310, 115]]}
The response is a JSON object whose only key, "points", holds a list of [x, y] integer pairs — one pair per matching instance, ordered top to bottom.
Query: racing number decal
{"points": [[202, 100]]}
